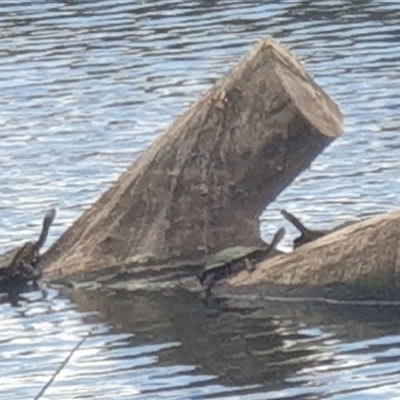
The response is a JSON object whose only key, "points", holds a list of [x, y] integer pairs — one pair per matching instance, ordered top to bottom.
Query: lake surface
{"points": [[85, 88]]}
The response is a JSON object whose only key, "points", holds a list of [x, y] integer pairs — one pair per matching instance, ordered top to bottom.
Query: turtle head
{"points": [[280, 233]]}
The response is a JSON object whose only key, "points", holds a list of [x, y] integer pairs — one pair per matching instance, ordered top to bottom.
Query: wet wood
{"points": [[202, 185], [366, 253]]}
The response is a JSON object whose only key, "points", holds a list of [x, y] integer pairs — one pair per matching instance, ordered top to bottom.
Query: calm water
{"points": [[84, 88]]}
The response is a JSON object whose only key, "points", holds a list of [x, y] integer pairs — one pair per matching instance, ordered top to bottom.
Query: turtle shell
{"points": [[229, 255], [7, 257]]}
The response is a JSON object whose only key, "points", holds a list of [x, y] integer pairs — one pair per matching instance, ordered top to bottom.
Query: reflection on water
{"points": [[85, 87], [171, 346]]}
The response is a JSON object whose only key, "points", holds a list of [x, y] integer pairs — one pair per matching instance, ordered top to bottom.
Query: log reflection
{"points": [[239, 346]]}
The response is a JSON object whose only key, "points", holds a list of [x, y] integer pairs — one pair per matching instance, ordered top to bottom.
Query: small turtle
{"points": [[307, 235], [231, 260], [22, 263]]}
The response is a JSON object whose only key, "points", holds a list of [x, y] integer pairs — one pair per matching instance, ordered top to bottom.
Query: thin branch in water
{"points": [[60, 368]]}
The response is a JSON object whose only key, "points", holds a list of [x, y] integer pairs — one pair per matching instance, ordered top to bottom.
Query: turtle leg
{"points": [[249, 265], [208, 282], [206, 295]]}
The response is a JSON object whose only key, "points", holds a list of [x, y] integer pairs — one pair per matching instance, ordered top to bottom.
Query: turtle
{"points": [[307, 235], [231, 259], [21, 265]]}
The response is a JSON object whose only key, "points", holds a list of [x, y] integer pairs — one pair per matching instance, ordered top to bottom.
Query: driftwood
{"points": [[202, 185], [366, 254], [354, 265]]}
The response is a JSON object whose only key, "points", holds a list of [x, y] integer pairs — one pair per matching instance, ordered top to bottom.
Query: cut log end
{"points": [[202, 185]]}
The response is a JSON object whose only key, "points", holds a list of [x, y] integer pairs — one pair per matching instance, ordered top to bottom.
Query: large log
{"points": [[202, 185], [365, 254]]}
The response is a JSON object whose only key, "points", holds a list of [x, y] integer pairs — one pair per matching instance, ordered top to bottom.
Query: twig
{"points": [[60, 368]]}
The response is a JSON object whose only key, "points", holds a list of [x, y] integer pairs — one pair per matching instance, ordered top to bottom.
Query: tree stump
{"points": [[202, 185]]}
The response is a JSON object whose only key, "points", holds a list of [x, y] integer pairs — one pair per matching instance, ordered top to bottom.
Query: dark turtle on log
{"points": [[307, 235], [235, 259], [21, 265]]}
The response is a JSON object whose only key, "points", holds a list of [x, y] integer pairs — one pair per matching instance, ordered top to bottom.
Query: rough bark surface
{"points": [[202, 185], [366, 253]]}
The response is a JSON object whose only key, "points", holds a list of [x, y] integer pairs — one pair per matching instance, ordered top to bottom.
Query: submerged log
{"points": [[202, 185], [366, 254]]}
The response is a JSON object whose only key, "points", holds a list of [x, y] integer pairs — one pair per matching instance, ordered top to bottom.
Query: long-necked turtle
{"points": [[307, 235], [234, 259], [21, 264]]}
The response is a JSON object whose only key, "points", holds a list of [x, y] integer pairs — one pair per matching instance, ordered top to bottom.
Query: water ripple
{"points": [[86, 87]]}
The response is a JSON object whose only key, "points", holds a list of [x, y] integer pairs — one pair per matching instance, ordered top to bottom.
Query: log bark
{"points": [[202, 185], [366, 253]]}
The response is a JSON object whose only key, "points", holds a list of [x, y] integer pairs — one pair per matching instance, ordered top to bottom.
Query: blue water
{"points": [[85, 88]]}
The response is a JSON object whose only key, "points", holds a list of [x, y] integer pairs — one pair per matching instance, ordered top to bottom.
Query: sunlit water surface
{"points": [[85, 88]]}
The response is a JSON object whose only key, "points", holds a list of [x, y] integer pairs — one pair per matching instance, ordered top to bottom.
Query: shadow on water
{"points": [[258, 347]]}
